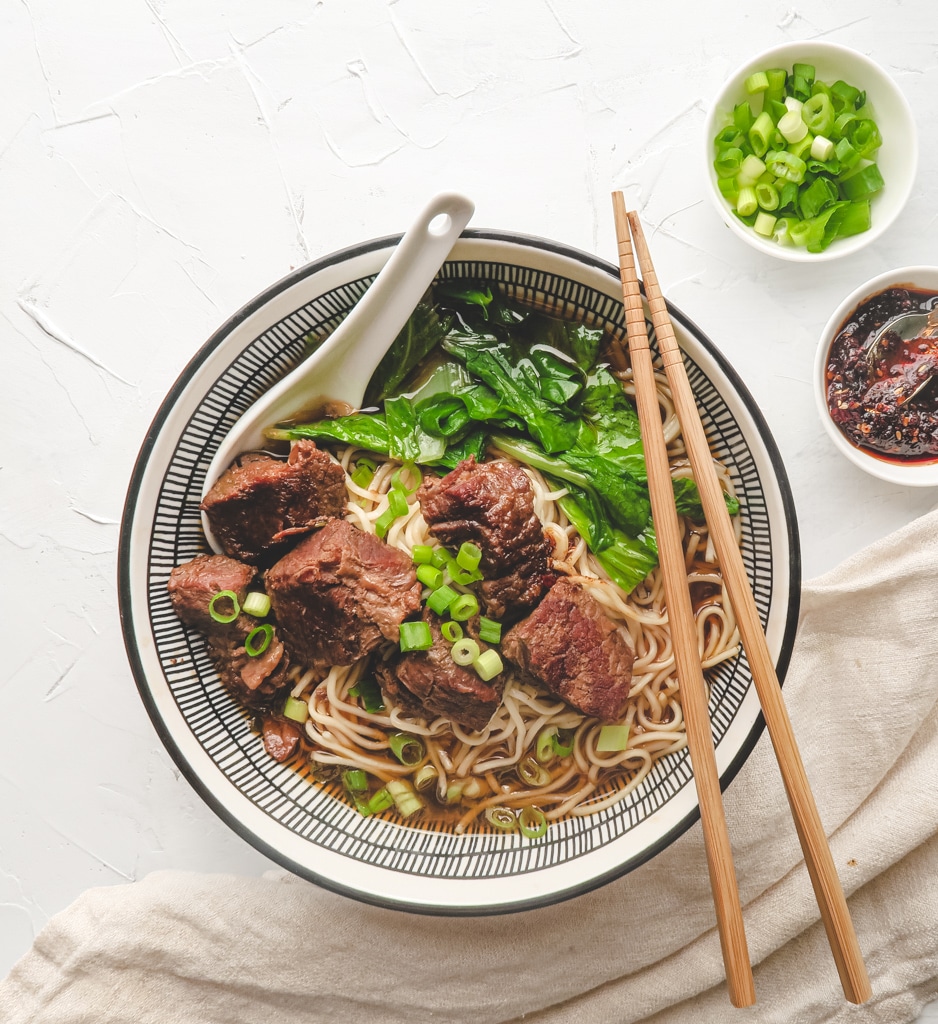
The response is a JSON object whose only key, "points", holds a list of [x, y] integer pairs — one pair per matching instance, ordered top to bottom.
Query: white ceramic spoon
{"points": [[340, 369]]}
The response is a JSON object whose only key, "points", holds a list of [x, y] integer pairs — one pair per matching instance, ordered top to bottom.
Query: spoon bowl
{"points": [[906, 327], [330, 376]]}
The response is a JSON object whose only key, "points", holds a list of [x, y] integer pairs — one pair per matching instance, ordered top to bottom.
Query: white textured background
{"points": [[161, 161]]}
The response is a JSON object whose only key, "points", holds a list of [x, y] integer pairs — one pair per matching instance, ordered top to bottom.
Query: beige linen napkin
{"points": [[862, 691]]}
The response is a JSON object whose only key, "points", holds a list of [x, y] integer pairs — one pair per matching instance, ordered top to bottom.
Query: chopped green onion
{"points": [[805, 71], [777, 77], [844, 96], [793, 105], [818, 114], [742, 117], [807, 131], [760, 133], [865, 137], [822, 148], [802, 149], [846, 154], [728, 161], [786, 165], [751, 169], [863, 184], [728, 189], [766, 196], [816, 196], [746, 202], [855, 218], [765, 224], [781, 234], [364, 472], [415, 474], [397, 502], [384, 521], [422, 554], [469, 555], [440, 558], [430, 576], [462, 576], [441, 599], [257, 603], [464, 607], [224, 617], [451, 631], [490, 631], [415, 636], [258, 640], [465, 651], [488, 665], [368, 691], [296, 710], [613, 737], [407, 749], [544, 749], [562, 749], [532, 773], [425, 778], [355, 780], [454, 792], [405, 799], [380, 801], [501, 817], [532, 822]]}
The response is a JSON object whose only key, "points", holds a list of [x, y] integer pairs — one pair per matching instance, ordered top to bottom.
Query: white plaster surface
{"points": [[161, 161]]}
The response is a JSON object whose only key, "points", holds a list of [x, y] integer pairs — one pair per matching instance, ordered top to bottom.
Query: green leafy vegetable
{"points": [[418, 337]]}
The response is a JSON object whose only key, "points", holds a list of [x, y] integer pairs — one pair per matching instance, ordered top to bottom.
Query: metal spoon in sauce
{"points": [[908, 327], [339, 370]]}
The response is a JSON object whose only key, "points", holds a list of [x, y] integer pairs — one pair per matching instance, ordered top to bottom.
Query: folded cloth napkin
{"points": [[862, 691]]}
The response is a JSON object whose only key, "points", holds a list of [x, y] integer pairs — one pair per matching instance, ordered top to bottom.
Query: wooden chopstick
{"points": [[684, 633], [820, 863]]}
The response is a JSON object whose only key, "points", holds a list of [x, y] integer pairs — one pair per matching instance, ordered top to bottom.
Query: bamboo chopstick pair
{"points": [[817, 854]]}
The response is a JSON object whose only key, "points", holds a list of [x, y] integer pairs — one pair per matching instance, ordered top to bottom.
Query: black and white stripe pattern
{"points": [[315, 812]]}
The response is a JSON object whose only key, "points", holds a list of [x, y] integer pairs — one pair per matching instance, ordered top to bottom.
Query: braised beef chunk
{"points": [[260, 503], [492, 505], [193, 585], [340, 593], [570, 646], [256, 681], [430, 681], [281, 737]]}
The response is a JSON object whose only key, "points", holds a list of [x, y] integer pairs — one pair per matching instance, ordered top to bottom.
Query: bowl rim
{"points": [[840, 247], [918, 474], [790, 607]]}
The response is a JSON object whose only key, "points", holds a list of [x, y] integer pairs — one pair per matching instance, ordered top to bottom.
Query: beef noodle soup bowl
{"points": [[615, 779]]}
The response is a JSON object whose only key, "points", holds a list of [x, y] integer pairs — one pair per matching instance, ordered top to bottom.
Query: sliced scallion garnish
{"points": [[257, 603], [221, 616], [415, 636], [258, 640], [465, 651], [488, 665], [296, 710], [612, 738], [409, 750], [501, 817], [532, 822]]}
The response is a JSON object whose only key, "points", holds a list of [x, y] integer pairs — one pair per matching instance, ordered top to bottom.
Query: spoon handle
{"points": [[382, 311], [367, 332]]}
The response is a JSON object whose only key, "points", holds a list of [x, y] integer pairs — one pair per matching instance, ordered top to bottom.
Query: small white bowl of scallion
{"points": [[811, 151]]}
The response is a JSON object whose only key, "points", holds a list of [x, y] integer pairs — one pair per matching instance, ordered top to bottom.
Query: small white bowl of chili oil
{"points": [[862, 406]]}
